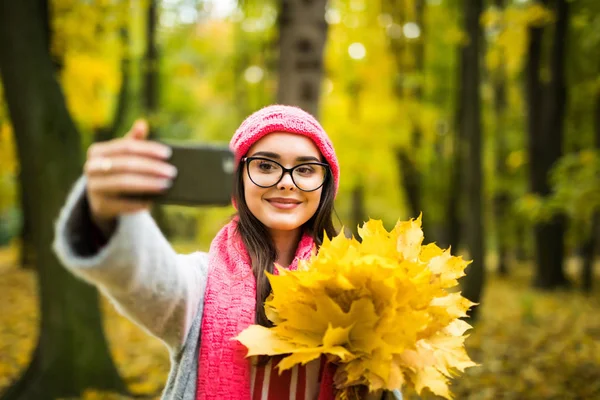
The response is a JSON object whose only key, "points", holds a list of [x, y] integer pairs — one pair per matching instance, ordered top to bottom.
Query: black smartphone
{"points": [[204, 176]]}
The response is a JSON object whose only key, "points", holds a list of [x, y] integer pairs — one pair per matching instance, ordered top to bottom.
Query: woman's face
{"points": [[282, 207]]}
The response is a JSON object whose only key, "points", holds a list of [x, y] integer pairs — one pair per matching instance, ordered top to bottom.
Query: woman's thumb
{"points": [[139, 130]]}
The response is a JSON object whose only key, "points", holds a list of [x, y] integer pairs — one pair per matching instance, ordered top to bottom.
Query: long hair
{"points": [[259, 243]]}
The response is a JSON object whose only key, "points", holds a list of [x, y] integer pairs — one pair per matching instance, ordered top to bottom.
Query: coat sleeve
{"points": [[137, 269]]}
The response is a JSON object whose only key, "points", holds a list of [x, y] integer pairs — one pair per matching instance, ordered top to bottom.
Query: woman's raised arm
{"points": [[115, 244]]}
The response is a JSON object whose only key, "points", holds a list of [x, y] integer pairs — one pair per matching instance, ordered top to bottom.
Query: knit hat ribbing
{"points": [[280, 118]]}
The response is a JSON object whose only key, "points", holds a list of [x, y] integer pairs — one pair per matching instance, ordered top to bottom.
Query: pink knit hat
{"points": [[279, 118]]}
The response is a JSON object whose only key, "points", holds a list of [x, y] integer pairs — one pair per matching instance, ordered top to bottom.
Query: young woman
{"points": [[286, 181]]}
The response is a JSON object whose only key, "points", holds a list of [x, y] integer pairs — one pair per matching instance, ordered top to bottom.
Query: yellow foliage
{"points": [[538, 15], [89, 26], [456, 36], [86, 40], [508, 46], [90, 83], [360, 110], [587, 157], [8, 158], [516, 159], [8, 166], [532, 207], [379, 308]]}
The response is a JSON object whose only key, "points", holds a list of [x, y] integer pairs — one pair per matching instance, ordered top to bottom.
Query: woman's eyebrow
{"points": [[267, 154], [276, 156], [307, 158]]}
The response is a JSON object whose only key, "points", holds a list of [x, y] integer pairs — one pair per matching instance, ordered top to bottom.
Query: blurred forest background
{"points": [[482, 115]]}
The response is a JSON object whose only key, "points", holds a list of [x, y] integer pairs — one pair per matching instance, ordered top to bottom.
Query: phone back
{"points": [[205, 175]]}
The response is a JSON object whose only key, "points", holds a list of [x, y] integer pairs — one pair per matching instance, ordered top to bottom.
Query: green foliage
{"points": [[214, 72], [583, 73], [575, 183], [576, 186], [10, 225]]}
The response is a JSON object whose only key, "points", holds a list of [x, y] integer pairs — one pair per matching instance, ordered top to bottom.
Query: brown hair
{"points": [[259, 244]]}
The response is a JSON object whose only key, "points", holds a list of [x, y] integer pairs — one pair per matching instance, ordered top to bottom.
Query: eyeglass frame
{"points": [[284, 170]]}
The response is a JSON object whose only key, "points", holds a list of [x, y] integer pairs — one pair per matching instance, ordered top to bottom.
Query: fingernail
{"points": [[138, 125], [167, 152], [171, 171], [167, 183]]}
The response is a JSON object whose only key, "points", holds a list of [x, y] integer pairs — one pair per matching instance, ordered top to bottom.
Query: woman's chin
{"points": [[283, 224]]}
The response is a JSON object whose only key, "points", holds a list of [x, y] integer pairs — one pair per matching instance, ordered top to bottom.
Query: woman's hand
{"points": [[126, 166]]}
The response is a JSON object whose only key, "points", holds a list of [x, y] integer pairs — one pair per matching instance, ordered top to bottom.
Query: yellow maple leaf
{"points": [[410, 237]]}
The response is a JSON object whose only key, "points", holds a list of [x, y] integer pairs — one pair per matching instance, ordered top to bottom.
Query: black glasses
{"points": [[265, 173]]}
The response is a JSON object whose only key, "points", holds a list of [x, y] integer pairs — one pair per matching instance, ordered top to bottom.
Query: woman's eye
{"points": [[266, 166], [305, 170]]}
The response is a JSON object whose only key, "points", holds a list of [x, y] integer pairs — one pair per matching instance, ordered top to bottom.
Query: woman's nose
{"points": [[286, 181]]}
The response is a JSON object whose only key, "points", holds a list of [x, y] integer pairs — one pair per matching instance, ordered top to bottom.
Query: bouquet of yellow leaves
{"points": [[379, 308]]}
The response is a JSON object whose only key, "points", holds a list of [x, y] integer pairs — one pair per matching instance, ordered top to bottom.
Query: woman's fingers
{"points": [[139, 130], [127, 146], [98, 166], [127, 166], [127, 183]]}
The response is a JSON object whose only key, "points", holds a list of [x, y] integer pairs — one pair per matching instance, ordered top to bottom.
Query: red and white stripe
{"points": [[299, 383]]}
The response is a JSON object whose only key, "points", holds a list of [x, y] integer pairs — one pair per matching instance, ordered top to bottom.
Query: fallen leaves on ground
{"points": [[530, 345], [143, 361]]}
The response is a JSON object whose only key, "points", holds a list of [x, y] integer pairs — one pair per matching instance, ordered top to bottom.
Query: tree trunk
{"points": [[302, 37], [398, 45], [151, 60], [240, 63], [151, 95], [597, 120], [545, 124], [471, 125], [111, 131], [411, 176], [410, 180], [501, 197], [357, 205], [454, 212], [357, 213], [453, 238], [590, 247], [27, 250], [522, 250], [588, 253], [72, 353]]}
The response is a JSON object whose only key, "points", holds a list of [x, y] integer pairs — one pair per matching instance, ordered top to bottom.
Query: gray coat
{"points": [[146, 280]]}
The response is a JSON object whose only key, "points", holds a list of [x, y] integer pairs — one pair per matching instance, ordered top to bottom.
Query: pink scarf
{"points": [[229, 308]]}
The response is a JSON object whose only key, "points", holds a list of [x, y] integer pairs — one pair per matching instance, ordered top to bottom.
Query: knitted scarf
{"points": [[229, 308]]}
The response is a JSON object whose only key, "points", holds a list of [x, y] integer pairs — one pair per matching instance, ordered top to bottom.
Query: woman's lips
{"points": [[284, 204]]}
